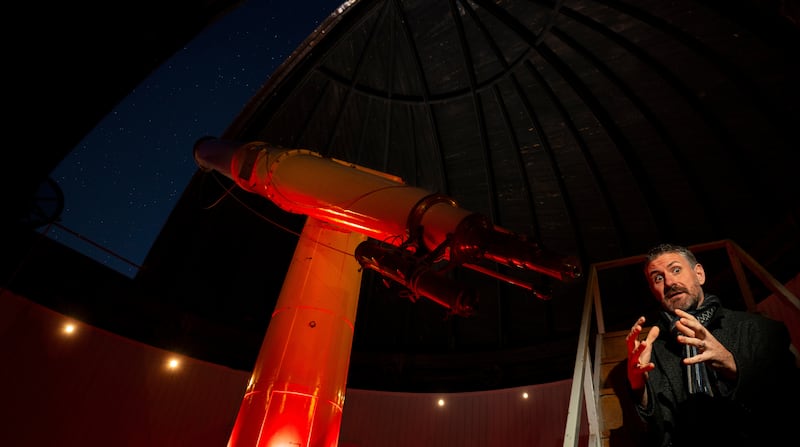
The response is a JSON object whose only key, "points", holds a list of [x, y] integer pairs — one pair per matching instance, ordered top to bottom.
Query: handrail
{"points": [[572, 432]]}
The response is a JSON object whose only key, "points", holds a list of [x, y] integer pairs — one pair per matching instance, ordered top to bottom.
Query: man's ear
{"points": [[701, 273]]}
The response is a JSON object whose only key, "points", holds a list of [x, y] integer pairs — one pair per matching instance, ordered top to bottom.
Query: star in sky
{"points": [[123, 179]]}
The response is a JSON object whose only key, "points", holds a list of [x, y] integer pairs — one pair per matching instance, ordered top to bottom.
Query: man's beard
{"points": [[693, 300]]}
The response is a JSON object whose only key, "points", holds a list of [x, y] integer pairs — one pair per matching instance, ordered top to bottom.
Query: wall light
{"points": [[173, 363]]}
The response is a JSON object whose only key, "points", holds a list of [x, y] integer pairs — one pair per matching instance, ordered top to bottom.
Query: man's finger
{"points": [[683, 314], [652, 335]]}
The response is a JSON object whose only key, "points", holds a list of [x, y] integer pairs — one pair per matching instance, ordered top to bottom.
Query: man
{"points": [[705, 374]]}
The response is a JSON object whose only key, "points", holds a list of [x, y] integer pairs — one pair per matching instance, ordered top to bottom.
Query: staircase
{"points": [[618, 425]]}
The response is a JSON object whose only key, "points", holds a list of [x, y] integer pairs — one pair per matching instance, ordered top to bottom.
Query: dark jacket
{"points": [[759, 408]]}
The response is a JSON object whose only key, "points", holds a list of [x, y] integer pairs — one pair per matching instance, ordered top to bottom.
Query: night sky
{"points": [[122, 181]]}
